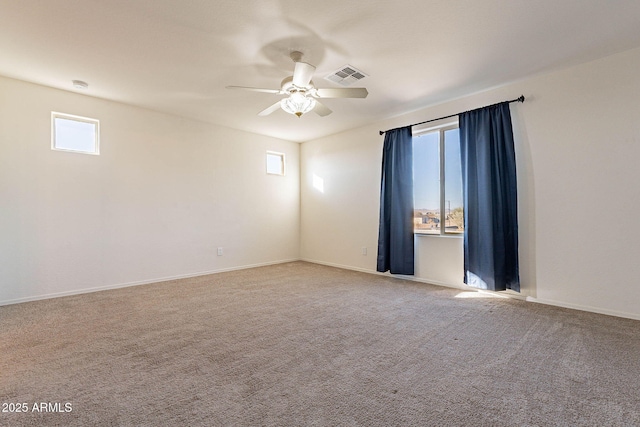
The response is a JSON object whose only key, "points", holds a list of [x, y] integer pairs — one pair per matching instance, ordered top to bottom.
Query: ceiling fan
{"points": [[302, 95]]}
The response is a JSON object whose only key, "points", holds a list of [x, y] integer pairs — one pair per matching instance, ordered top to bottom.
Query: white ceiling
{"points": [[177, 56]]}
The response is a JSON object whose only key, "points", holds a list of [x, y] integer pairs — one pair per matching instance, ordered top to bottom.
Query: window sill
{"points": [[446, 236]]}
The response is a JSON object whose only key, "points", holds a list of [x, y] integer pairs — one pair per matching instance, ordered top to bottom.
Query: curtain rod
{"points": [[519, 99]]}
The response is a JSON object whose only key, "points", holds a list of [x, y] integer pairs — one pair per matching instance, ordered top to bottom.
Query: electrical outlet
{"points": [[364, 250], [220, 251]]}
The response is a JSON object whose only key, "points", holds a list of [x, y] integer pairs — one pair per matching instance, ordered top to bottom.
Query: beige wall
{"points": [[578, 145], [164, 193]]}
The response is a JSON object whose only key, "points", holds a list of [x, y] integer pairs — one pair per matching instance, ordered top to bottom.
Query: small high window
{"points": [[75, 133], [275, 163]]}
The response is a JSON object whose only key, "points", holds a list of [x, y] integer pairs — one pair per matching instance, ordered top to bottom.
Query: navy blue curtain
{"points": [[490, 199], [395, 237]]}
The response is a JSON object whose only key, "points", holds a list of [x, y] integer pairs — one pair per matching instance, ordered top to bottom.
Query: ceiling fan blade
{"points": [[302, 74], [255, 89], [347, 92], [270, 109], [321, 109]]}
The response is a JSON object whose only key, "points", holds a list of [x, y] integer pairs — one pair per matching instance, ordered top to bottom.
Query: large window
{"points": [[437, 181]]}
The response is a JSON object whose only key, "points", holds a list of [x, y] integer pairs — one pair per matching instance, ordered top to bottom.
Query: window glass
{"points": [[73, 133], [275, 163], [437, 182], [426, 183], [454, 213]]}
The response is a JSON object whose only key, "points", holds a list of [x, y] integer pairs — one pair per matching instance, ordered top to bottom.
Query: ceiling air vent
{"points": [[346, 76]]}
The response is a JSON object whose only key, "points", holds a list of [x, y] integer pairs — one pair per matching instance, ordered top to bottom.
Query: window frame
{"points": [[57, 115], [441, 127], [283, 162]]}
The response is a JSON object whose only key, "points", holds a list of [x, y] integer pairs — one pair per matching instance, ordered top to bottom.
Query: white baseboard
{"points": [[329, 264], [344, 267], [137, 283], [462, 287], [500, 294], [585, 308]]}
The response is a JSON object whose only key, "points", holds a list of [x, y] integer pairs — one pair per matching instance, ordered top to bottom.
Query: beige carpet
{"points": [[300, 344]]}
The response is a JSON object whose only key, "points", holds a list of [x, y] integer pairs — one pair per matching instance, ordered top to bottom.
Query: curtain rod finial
{"points": [[521, 98], [381, 132]]}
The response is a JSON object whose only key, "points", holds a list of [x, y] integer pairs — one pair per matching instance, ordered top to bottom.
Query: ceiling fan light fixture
{"points": [[298, 103]]}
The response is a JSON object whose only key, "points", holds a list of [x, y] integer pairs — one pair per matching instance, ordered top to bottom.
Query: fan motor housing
{"points": [[288, 86]]}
